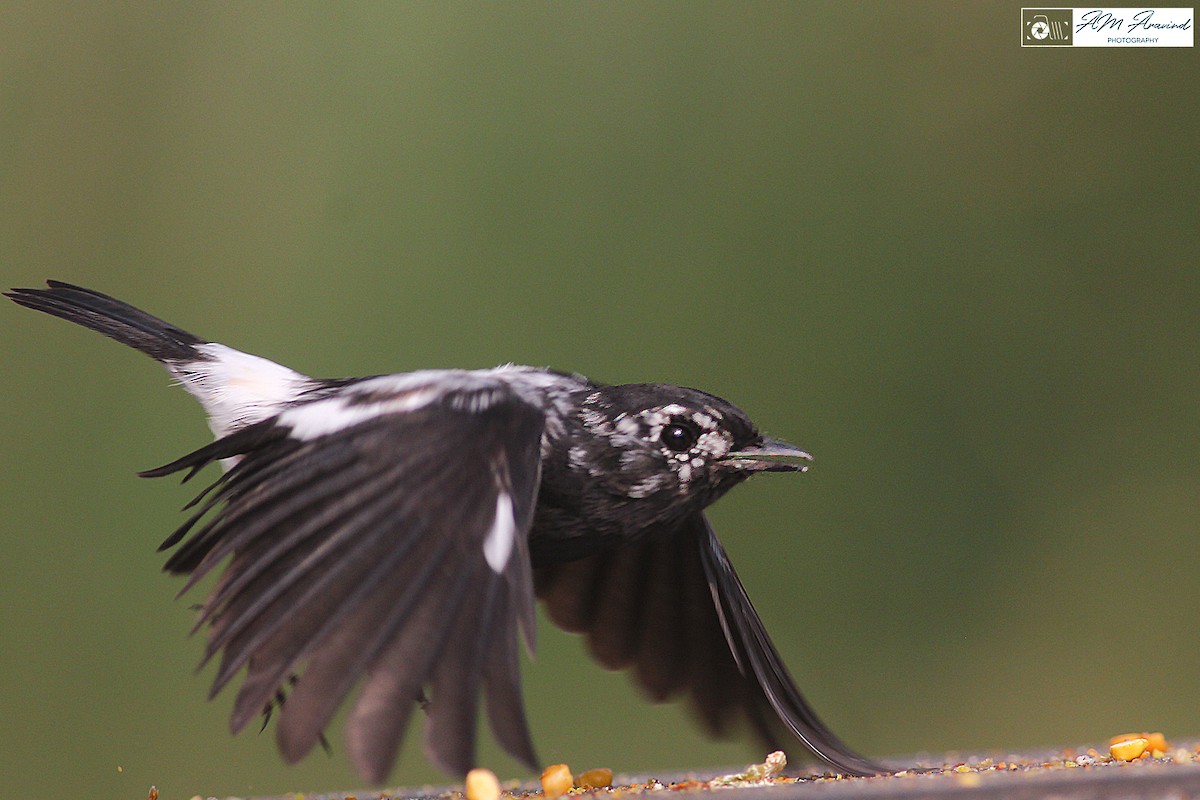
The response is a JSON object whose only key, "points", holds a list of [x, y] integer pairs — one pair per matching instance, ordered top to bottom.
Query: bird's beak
{"points": [[770, 455]]}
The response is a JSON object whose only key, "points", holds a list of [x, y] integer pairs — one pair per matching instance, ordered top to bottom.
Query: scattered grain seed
{"points": [[1128, 749], [598, 778], [556, 781], [482, 784], [684, 786]]}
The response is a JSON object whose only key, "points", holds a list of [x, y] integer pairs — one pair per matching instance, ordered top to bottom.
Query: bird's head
{"points": [[656, 451]]}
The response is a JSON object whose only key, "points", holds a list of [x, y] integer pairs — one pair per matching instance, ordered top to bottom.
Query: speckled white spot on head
{"points": [[657, 417], [628, 425], [714, 444], [647, 486], [497, 547]]}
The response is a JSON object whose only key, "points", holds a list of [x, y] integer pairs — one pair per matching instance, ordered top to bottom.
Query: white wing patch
{"points": [[461, 390], [323, 417], [498, 545]]}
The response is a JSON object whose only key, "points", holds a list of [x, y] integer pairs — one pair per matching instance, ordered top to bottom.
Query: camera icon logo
{"points": [[1046, 27]]}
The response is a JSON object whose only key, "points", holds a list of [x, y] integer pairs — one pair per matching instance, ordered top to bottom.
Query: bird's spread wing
{"points": [[377, 536], [670, 607]]}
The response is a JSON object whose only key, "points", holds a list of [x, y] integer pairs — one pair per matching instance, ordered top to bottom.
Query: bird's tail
{"points": [[113, 318], [235, 388]]}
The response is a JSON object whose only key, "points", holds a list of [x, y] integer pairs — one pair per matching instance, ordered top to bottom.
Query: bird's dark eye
{"points": [[677, 437]]}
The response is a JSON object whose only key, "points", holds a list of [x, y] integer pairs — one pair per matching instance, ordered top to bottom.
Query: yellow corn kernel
{"points": [[1129, 749], [599, 778], [556, 781], [482, 784]]}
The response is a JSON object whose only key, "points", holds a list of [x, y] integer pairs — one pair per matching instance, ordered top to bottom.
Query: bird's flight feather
{"points": [[390, 533]]}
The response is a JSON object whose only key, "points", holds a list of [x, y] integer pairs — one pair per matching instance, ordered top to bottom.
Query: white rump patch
{"points": [[236, 388], [498, 545]]}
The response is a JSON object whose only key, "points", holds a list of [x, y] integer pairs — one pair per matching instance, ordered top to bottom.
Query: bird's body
{"points": [[392, 532]]}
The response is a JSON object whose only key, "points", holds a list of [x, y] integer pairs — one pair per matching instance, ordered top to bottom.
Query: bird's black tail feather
{"points": [[113, 318]]}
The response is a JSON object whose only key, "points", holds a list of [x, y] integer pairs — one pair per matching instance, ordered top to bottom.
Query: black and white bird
{"points": [[392, 533]]}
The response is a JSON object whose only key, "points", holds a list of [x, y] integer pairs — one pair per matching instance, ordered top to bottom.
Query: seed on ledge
{"points": [[1128, 749], [599, 778], [556, 781], [482, 784]]}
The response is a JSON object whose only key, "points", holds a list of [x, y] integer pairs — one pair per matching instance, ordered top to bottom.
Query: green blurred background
{"points": [[963, 274]]}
